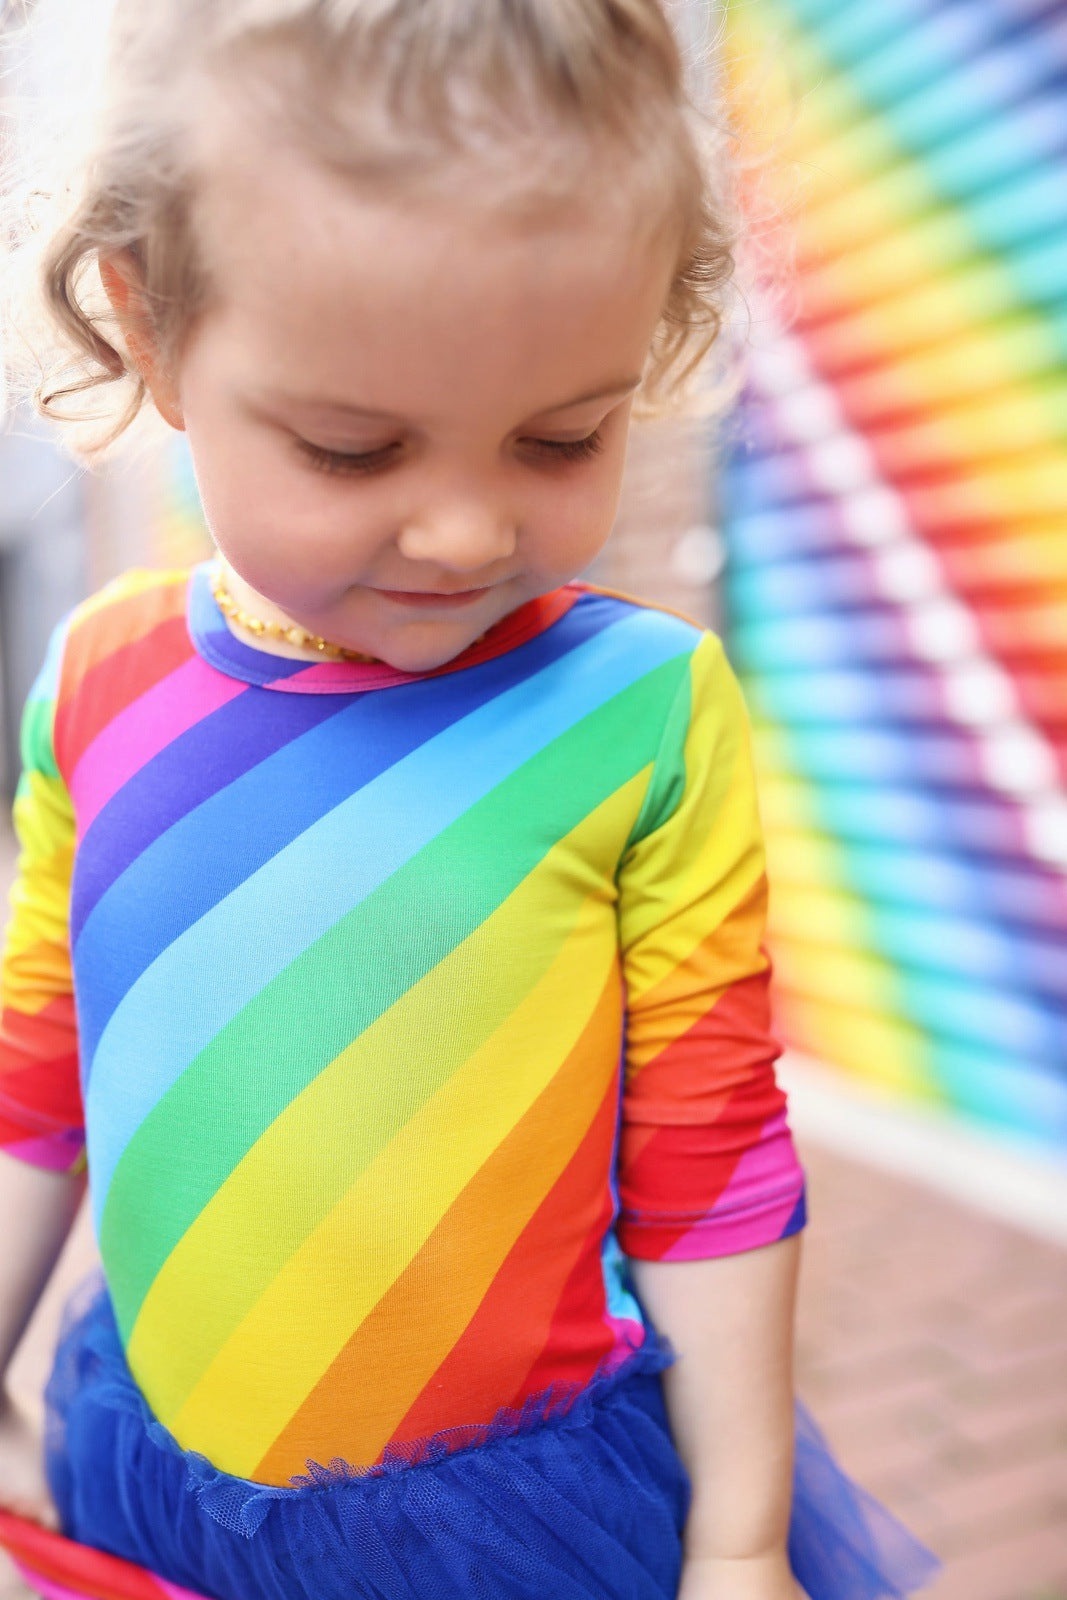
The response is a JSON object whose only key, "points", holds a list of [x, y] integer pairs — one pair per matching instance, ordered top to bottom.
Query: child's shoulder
{"points": [[640, 604], [129, 608], [660, 625]]}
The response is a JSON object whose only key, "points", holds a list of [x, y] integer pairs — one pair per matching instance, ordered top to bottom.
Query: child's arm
{"points": [[42, 1144], [711, 1193], [37, 1209], [730, 1401]]}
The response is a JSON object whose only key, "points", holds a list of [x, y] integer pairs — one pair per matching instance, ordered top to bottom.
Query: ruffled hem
{"points": [[89, 1333], [579, 1493], [843, 1543]]}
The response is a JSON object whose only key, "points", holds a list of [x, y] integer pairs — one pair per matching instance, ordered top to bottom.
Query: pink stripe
{"points": [[152, 721], [55, 1153], [764, 1168], [756, 1204], [728, 1236], [628, 1334], [48, 1589], [172, 1590]]}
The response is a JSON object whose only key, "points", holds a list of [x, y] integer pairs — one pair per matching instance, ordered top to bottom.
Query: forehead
{"points": [[436, 293]]}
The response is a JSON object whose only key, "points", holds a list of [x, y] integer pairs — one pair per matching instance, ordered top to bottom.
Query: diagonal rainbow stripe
{"points": [[396, 1004]]}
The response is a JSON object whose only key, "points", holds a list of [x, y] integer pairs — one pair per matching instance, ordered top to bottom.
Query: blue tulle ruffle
{"points": [[577, 1497]]}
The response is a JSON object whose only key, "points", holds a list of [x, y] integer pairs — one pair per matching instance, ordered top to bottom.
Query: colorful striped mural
{"points": [[895, 505], [180, 535]]}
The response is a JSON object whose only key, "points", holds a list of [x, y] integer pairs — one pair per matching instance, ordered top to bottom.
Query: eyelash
{"points": [[370, 461]]}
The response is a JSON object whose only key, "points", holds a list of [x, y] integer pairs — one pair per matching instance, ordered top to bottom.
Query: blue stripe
{"points": [[218, 645], [200, 761], [254, 809], [136, 1062]]}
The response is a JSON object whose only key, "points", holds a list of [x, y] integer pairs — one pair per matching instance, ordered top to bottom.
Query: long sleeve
{"points": [[41, 1119], [706, 1163]]}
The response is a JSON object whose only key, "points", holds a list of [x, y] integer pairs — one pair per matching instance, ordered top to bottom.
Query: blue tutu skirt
{"points": [[579, 1498]]}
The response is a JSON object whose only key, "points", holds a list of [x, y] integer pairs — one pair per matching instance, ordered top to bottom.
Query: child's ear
{"points": [[124, 287]]}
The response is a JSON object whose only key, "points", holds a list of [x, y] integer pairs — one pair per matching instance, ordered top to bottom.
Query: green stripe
{"points": [[945, 166], [37, 750], [667, 784], [393, 938], [266, 1239]]}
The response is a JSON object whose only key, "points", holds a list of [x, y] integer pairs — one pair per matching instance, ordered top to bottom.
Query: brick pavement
{"points": [[932, 1348]]}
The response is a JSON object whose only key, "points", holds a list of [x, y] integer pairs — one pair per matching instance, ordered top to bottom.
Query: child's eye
{"points": [[568, 449], [344, 461], [367, 461]]}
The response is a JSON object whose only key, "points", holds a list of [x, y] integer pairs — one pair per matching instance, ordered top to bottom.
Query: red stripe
{"points": [[106, 689], [727, 1048], [39, 1066], [533, 1277], [578, 1333], [92, 1573]]}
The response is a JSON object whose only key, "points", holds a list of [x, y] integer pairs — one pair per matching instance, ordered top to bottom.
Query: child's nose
{"points": [[465, 536]]}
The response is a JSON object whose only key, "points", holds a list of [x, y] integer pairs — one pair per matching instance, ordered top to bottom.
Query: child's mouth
{"points": [[461, 597]]}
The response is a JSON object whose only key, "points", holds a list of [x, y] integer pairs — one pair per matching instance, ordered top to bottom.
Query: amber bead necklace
{"points": [[288, 633]]}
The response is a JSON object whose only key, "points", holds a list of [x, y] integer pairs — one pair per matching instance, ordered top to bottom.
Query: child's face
{"points": [[388, 405]]}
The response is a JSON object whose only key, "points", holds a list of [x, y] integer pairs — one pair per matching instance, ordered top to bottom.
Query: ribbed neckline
{"points": [[215, 643]]}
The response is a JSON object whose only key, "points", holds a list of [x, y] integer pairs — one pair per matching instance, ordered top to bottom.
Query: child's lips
{"points": [[431, 598]]}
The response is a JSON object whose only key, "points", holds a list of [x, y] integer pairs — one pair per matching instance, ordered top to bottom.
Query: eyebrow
{"points": [[344, 408]]}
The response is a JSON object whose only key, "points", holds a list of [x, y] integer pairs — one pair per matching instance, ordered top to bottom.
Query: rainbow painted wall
{"points": [[895, 510]]}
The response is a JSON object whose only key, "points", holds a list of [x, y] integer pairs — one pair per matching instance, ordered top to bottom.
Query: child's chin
{"points": [[420, 656]]}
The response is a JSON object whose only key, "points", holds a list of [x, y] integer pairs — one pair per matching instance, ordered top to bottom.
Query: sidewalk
{"points": [[932, 1348]]}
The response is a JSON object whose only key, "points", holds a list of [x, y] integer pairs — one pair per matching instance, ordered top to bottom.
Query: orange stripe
{"points": [[128, 616], [102, 691], [38, 978], [671, 1007], [692, 1079], [533, 1278], [579, 1336], [389, 1359]]}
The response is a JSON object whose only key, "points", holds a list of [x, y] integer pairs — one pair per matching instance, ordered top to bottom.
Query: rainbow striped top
{"points": [[389, 1012]]}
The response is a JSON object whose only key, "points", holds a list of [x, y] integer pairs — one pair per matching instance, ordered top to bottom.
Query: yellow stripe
{"points": [[876, 226], [138, 581], [43, 816], [688, 876], [822, 914], [36, 957], [816, 976], [452, 1011], [873, 1044], [280, 1351]]}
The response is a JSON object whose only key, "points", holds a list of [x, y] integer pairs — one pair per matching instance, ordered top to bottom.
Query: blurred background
{"points": [[879, 529]]}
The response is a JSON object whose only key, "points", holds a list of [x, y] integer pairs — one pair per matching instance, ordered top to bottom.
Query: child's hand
{"points": [[23, 1486], [757, 1578]]}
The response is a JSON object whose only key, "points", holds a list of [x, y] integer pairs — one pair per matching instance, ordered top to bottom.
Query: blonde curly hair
{"points": [[394, 92]]}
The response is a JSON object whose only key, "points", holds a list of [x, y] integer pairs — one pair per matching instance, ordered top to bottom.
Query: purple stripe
{"points": [[248, 728], [130, 740]]}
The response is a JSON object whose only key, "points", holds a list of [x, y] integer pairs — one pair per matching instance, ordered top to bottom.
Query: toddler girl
{"points": [[399, 894]]}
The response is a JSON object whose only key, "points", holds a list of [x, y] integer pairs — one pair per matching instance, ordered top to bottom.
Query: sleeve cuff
{"points": [[53, 1149], [715, 1233]]}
